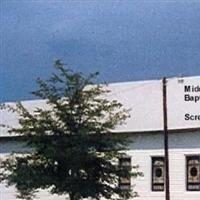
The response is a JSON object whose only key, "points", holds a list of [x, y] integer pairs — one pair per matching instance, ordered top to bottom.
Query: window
{"points": [[157, 173], [193, 173], [125, 179]]}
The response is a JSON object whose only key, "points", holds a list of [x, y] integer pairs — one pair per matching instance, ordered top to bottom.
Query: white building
{"points": [[145, 126]]}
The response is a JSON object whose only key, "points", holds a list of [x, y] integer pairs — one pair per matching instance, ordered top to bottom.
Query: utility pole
{"points": [[167, 185]]}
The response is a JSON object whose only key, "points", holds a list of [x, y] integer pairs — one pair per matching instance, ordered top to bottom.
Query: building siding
{"points": [[181, 145], [143, 147]]}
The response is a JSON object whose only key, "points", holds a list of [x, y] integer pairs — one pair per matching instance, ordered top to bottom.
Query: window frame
{"points": [[153, 158], [187, 158], [128, 184]]}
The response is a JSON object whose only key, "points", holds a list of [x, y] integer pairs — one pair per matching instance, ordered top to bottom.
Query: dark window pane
{"points": [[157, 173], [193, 173], [125, 180]]}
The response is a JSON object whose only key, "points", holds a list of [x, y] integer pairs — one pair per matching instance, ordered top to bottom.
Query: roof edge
{"points": [[185, 130]]}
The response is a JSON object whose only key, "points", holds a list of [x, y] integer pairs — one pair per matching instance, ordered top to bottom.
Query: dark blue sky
{"points": [[123, 40]]}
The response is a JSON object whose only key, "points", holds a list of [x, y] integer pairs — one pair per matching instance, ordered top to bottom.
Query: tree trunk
{"points": [[72, 196]]}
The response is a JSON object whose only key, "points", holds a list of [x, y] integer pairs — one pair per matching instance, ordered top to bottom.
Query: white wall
{"points": [[146, 146], [141, 149]]}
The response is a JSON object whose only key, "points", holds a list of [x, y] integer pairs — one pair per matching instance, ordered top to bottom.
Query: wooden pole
{"points": [[167, 182]]}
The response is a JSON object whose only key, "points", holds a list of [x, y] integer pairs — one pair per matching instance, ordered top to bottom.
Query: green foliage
{"points": [[74, 152]]}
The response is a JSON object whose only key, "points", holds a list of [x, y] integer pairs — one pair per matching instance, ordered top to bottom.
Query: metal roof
{"points": [[145, 100]]}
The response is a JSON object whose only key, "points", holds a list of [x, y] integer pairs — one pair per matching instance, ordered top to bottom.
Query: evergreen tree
{"points": [[74, 152]]}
